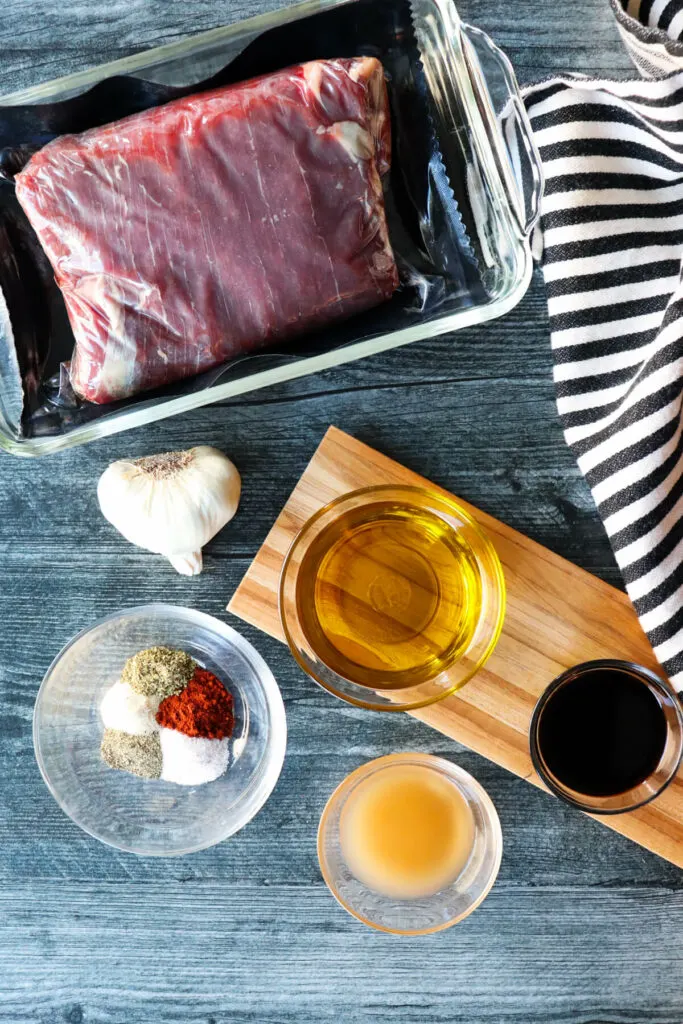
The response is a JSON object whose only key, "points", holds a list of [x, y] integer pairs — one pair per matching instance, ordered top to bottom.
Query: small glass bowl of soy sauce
{"points": [[607, 736]]}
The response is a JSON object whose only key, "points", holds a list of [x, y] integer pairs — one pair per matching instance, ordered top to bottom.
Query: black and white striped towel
{"points": [[611, 237]]}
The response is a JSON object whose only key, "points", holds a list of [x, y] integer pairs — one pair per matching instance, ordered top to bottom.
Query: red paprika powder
{"points": [[204, 708]]}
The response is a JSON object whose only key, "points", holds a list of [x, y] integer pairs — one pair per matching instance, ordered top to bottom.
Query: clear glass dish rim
{"points": [[163, 408], [301, 537], [538, 761], [444, 766], [264, 780]]}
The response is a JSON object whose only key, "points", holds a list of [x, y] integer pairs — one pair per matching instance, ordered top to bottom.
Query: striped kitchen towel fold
{"points": [[653, 33], [611, 244]]}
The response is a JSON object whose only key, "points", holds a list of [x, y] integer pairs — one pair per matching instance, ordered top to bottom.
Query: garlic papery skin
{"points": [[173, 503], [190, 564]]}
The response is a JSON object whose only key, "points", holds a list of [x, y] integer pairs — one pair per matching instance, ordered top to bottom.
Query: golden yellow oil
{"points": [[389, 595], [406, 831]]}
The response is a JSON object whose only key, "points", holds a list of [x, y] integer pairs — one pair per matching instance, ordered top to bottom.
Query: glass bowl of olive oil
{"points": [[392, 597]]}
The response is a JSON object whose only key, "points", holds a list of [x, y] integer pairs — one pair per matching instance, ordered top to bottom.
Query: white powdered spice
{"points": [[130, 712], [192, 760]]}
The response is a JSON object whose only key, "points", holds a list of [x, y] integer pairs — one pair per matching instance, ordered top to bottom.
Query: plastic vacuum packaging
{"points": [[443, 214], [192, 233]]}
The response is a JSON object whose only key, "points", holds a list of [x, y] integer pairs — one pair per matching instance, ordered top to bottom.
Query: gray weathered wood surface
{"points": [[582, 926]]}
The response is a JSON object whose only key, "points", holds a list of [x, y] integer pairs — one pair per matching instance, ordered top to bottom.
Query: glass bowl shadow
{"points": [[294, 589], [150, 817]]}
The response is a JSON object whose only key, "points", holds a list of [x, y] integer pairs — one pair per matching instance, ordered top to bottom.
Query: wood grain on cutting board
{"points": [[557, 616]]}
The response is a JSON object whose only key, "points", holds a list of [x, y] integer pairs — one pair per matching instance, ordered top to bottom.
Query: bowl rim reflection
{"points": [[429, 495], [444, 767], [263, 780]]}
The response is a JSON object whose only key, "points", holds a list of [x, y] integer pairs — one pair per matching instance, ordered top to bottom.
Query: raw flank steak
{"points": [[201, 230]]}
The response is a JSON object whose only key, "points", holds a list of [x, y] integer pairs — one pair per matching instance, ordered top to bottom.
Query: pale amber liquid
{"points": [[389, 595], [406, 831]]}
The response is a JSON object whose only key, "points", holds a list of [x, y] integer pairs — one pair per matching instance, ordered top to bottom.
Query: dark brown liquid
{"points": [[602, 733]]}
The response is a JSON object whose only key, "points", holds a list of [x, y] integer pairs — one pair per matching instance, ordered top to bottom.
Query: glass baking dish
{"points": [[486, 147]]}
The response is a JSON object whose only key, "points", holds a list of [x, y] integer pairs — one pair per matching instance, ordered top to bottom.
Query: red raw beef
{"points": [[187, 235]]}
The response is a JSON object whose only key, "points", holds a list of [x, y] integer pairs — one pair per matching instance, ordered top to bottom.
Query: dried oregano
{"points": [[158, 671]]}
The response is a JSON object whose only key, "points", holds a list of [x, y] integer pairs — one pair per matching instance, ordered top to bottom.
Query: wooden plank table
{"points": [[583, 926]]}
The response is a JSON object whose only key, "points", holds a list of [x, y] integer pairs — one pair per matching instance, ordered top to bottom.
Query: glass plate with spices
{"points": [[193, 779]]}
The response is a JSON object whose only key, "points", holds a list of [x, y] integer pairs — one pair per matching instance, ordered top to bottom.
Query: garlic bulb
{"points": [[172, 504]]}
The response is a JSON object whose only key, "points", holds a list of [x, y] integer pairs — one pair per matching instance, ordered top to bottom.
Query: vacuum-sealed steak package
{"points": [[455, 202], [198, 231]]}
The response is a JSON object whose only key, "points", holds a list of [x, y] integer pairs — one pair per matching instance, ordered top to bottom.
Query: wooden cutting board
{"points": [[557, 616]]}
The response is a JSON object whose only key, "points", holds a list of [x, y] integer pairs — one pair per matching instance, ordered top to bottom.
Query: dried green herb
{"points": [[159, 671], [139, 755]]}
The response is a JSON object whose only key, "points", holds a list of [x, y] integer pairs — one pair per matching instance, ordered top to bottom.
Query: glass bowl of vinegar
{"points": [[391, 598], [410, 844]]}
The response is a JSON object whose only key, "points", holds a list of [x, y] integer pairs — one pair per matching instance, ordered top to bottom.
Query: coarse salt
{"points": [[127, 711], [192, 760]]}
